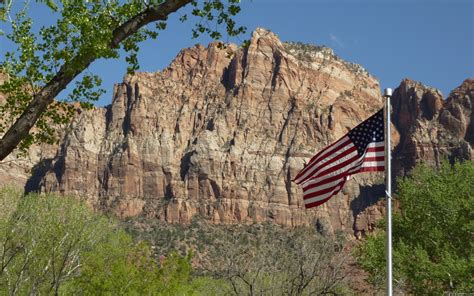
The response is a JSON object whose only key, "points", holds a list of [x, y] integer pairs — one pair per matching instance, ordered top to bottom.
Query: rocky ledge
{"points": [[221, 132]]}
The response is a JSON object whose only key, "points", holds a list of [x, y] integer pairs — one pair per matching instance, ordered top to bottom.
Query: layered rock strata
{"points": [[431, 128], [221, 133]]}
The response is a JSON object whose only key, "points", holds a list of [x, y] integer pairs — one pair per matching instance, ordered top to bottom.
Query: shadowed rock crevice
{"points": [[276, 69], [227, 80], [131, 96], [287, 118], [208, 128], [470, 130], [185, 164], [38, 172], [216, 191], [169, 192], [369, 196], [367, 208]]}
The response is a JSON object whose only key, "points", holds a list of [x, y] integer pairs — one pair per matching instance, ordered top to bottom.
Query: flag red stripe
{"points": [[375, 149], [317, 156], [376, 158], [315, 159], [330, 162], [341, 165], [371, 169], [331, 170], [344, 174], [335, 177], [325, 181], [321, 192], [325, 195], [317, 203], [309, 204]]}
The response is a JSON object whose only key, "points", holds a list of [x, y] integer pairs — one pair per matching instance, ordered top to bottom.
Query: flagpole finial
{"points": [[387, 92]]}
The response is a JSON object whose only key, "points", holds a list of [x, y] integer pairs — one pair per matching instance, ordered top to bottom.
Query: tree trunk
{"points": [[22, 126]]}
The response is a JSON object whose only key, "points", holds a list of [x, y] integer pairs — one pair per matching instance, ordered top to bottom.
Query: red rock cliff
{"points": [[430, 127], [221, 133]]}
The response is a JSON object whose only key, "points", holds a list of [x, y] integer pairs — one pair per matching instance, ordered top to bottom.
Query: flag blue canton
{"points": [[367, 132]]}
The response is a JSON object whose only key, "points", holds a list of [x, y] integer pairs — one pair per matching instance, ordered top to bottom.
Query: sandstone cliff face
{"points": [[431, 128], [221, 133]]}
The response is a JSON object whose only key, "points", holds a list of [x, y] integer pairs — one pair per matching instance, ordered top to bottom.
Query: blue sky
{"points": [[431, 41]]}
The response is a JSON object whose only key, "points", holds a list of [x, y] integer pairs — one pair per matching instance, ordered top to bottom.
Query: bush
{"points": [[432, 235], [43, 239], [51, 244], [258, 259], [271, 260]]}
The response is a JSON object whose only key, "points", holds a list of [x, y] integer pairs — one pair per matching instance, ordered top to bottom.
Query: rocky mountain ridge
{"points": [[221, 132]]}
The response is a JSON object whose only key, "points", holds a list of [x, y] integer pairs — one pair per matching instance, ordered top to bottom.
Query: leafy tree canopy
{"points": [[44, 62], [433, 233], [53, 244]]}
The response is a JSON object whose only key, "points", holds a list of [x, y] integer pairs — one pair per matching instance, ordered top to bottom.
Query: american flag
{"points": [[360, 150]]}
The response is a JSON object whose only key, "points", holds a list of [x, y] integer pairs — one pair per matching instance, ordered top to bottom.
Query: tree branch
{"points": [[69, 71]]}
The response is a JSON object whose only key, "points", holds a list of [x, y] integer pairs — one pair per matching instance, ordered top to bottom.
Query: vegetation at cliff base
{"points": [[433, 233], [51, 244], [257, 259]]}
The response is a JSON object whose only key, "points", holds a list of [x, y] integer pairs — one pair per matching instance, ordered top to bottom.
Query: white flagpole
{"points": [[388, 188]]}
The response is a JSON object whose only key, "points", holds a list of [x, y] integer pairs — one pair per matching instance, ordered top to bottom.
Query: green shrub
{"points": [[433, 233], [50, 244], [258, 259]]}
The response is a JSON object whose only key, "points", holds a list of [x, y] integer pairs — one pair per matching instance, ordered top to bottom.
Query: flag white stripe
{"points": [[343, 141], [376, 144], [374, 154], [331, 156], [335, 163], [373, 164], [314, 169], [335, 173], [322, 187], [321, 197]]}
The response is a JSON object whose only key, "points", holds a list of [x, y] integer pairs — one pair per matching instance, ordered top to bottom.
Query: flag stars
{"points": [[368, 132]]}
